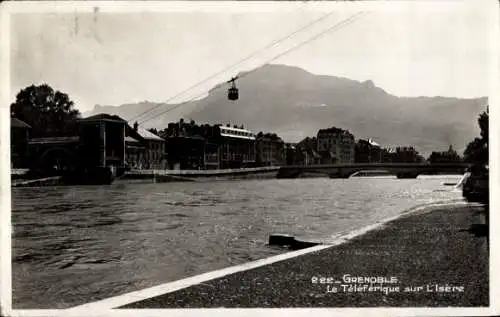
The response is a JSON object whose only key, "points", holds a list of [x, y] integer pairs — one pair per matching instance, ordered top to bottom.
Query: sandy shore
{"points": [[431, 258]]}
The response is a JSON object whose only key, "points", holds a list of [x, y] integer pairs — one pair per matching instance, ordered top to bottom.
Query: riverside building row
{"points": [[108, 140]]}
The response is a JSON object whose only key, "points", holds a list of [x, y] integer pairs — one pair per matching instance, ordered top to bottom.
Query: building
{"points": [[19, 135], [102, 140], [98, 142], [187, 146], [192, 146], [236, 146], [336, 146], [147, 150], [270, 150], [367, 151], [185, 152], [57, 153], [135, 153], [306, 153], [211, 154], [291, 154], [401, 154], [298, 155], [450, 156]]}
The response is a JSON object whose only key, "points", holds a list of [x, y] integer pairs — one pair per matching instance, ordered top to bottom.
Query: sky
{"points": [[112, 58]]}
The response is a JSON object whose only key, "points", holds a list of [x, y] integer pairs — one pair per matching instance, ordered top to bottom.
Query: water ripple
{"points": [[136, 235]]}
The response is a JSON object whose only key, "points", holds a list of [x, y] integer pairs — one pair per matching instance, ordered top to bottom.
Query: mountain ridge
{"points": [[295, 103]]}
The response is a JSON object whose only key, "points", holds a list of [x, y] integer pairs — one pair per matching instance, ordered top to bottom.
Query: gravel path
{"points": [[420, 250]]}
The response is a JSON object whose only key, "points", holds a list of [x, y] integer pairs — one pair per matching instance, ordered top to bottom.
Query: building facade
{"points": [[19, 136], [102, 140], [192, 146], [336, 146], [236, 147], [145, 150], [270, 150], [367, 151], [185, 152], [306, 152], [58, 153], [135, 153], [291, 154], [401, 154], [450, 156]]}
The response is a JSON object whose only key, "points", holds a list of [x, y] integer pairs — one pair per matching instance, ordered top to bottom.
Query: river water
{"points": [[73, 245]]}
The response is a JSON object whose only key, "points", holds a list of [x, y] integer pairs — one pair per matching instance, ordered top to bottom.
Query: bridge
{"points": [[53, 151], [401, 170]]}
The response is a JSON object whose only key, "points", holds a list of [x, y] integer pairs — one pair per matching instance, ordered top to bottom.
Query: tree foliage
{"points": [[48, 112], [484, 126], [477, 150], [450, 156]]}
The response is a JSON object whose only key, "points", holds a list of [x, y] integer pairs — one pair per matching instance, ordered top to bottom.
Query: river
{"points": [[73, 245]]}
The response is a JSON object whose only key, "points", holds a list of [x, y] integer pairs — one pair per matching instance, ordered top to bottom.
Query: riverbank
{"points": [[162, 176], [23, 178], [46, 181], [431, 254]]}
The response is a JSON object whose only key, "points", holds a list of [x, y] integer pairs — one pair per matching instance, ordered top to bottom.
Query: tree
{"points": [[48, 112], [483, 122], [477, 150], [450, 156]]}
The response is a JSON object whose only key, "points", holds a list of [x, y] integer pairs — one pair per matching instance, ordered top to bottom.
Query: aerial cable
{"points": [[336, 27], [270, 45]]}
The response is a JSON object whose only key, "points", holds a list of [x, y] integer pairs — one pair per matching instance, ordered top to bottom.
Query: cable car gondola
{"points": [[232, 92]]}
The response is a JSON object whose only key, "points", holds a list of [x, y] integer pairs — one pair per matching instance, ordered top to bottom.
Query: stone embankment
{"points": [[197, 175], [46, 181]]}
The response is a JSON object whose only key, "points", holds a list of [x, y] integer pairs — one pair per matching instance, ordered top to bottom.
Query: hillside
{"points": [[295, 103]]}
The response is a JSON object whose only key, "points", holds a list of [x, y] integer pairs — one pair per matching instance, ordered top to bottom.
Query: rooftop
{"points": [[104, 117], [234, 129], [333, 130], [236, 133], [148, 135], [191, 137], [270, 137], [131, 139], [369, 141], [373, 142]]}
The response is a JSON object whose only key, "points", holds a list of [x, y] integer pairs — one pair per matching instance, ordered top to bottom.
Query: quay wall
{"points": [[207, 173], [193, 175], [21, 179], [47, 181]]}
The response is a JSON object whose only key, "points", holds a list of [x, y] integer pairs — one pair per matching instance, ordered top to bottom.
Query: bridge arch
{"points": [[59, 158], [401, 170], [383, 172]]}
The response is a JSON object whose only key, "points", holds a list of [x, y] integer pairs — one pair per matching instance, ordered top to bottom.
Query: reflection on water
{"points": [[72, 245]]}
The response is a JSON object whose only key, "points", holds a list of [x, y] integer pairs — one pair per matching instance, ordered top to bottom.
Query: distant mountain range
{"points": [[295, 103]]}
